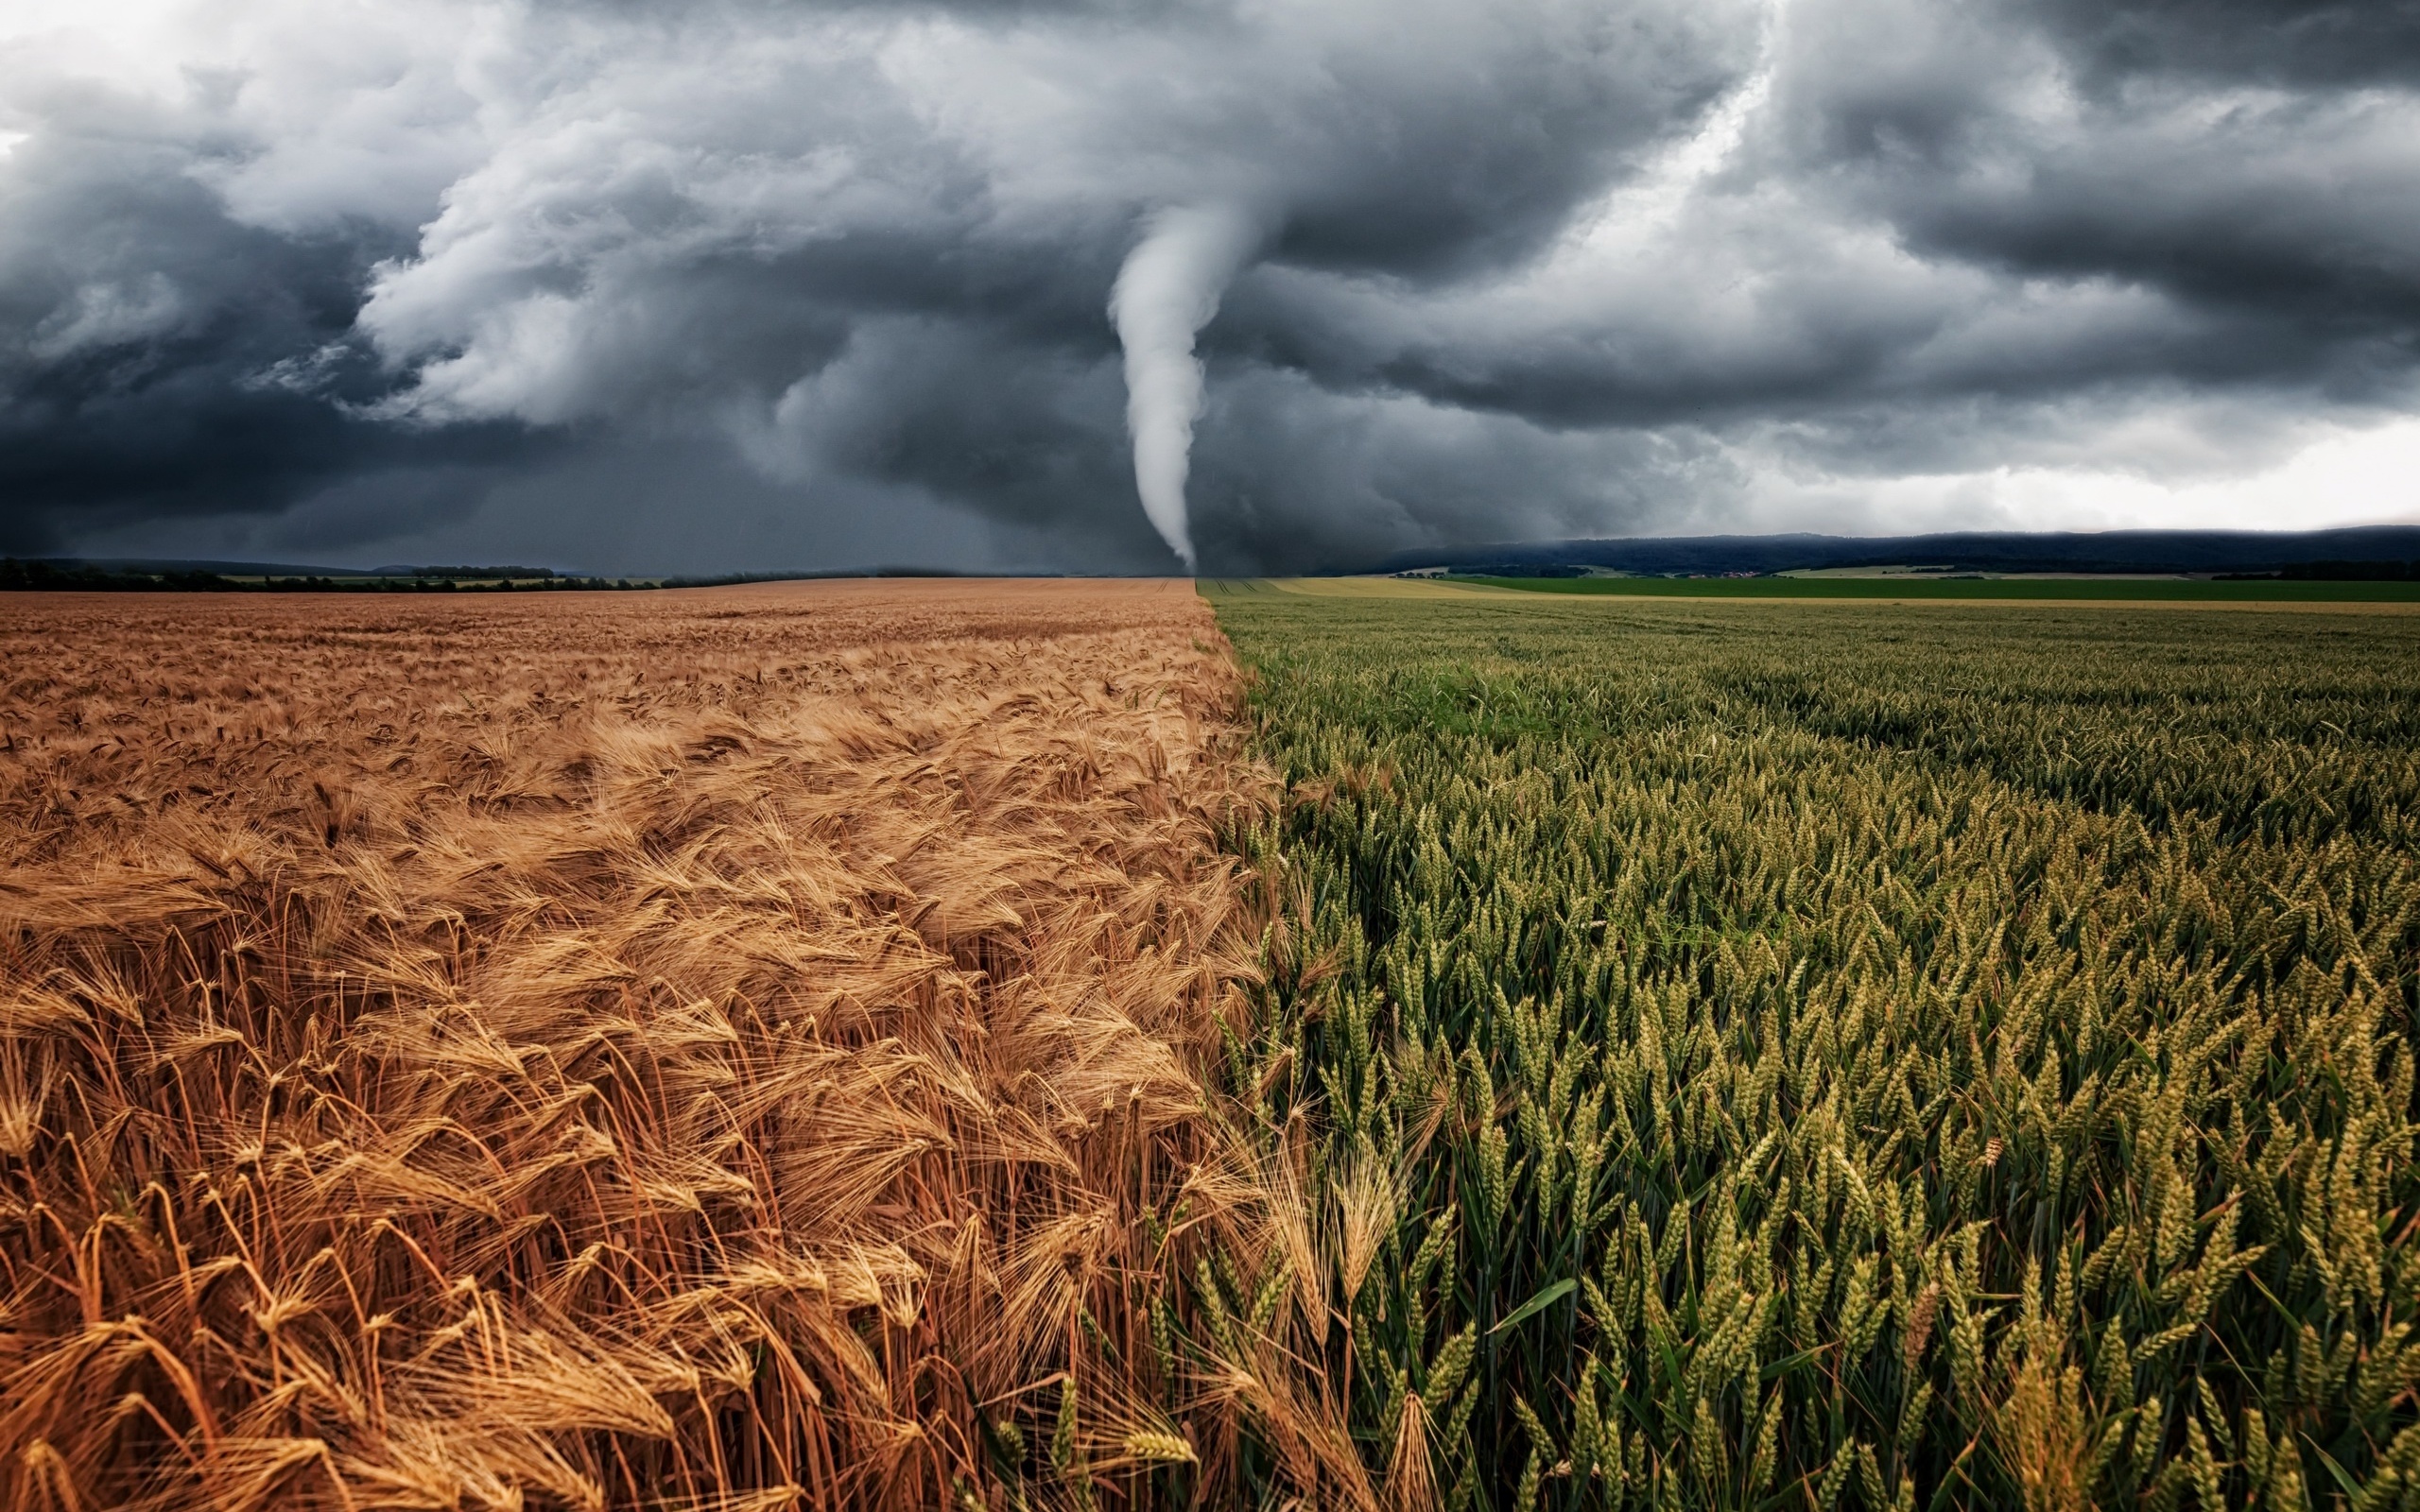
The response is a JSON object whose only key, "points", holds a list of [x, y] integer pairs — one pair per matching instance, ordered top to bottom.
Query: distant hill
{"points": [[2108, 551]]}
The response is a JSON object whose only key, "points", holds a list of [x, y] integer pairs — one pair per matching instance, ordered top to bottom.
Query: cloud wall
{"points": [[750, 284]]}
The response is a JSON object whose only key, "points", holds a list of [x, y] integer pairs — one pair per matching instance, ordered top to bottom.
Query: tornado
{"points": [[1166, 292]]}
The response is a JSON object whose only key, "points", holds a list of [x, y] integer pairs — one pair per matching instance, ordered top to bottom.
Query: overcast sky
{"points": [[771, 283]]}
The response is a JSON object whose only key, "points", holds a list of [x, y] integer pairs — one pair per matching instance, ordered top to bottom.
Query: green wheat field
{"points": [[1970, 589], [1813, 1055]]}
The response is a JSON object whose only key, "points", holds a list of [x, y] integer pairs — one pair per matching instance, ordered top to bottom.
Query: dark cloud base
{"points": [[768, 286]]}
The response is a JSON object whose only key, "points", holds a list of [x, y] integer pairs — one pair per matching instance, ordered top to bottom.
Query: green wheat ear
{"points": [[1944, 1057]]}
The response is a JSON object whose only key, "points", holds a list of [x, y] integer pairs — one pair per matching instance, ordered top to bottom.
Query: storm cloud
{"points": [[766, 283]]}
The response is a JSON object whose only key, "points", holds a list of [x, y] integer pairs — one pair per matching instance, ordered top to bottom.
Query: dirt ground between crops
{"points": [[605, 1048]]}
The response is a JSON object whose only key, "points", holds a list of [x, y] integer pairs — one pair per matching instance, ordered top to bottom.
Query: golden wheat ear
{"points": [[726, 1050]]}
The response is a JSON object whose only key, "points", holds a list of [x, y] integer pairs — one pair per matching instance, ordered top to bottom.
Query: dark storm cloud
{"points": [[2285, 42], [2285, 212], [1942, 238], [454, 271], [139, 313], [159, 358], [1290, 473]]}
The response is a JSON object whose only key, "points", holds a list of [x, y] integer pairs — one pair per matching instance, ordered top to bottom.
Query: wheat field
{"points": [[884, 1045], [732, 1048], [1765, 1057]]}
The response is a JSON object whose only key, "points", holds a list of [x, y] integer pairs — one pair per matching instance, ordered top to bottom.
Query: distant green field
{"points": [[2134, 590], [1758, 1057]]}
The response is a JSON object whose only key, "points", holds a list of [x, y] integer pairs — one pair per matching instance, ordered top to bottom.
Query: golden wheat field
{"points": [[728, 1048]]}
